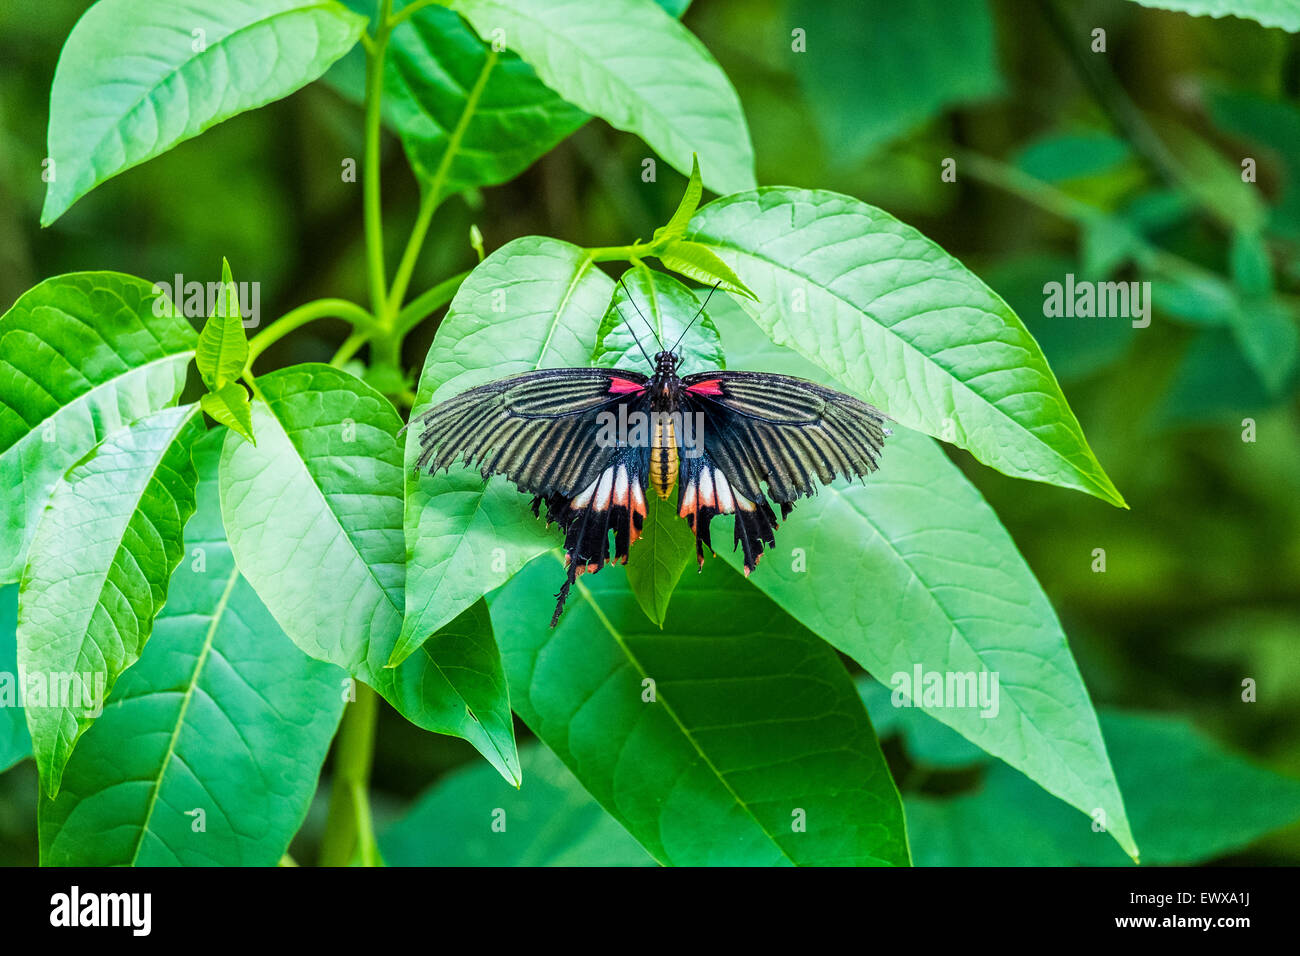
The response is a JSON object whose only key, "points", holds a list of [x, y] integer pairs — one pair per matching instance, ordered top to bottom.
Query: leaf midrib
{"points": [[199, 662], [681, 726]]}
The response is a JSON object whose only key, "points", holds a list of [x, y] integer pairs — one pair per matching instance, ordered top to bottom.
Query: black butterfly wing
{"points": [[542, 429], [548, 431], [778, 431]]}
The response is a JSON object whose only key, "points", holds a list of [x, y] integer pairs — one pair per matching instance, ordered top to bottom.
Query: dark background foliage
{"points": [[1202, 587]]}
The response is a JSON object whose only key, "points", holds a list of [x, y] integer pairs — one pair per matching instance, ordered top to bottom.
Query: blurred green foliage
{"points": [[1120, 165]]}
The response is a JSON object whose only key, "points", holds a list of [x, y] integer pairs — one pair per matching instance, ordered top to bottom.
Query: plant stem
{"points": [[412, 9], [434, 193], [371, 195], [631, 253], [308, 312], [349, 348], [349, 830]]}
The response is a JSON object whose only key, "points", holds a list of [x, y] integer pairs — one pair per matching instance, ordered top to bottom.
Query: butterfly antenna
{"points": [[640, 313], [697, 315], [634, 338]]}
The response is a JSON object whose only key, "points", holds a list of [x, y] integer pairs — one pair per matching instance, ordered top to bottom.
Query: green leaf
{"points": [[1271, 13], [924, 56], [608, 57], [433, 64], [136, 77], [675, 228], [701, 264], [534, 303], [659, 311], [904, 325], [223, 350], [81, 356], [229, 406], [313, 514], [656, 562], [912, 568], [97, 575], [222, 714], [712, 740], [15, 742], [928, 743], [1190, 801], [549, 821]]}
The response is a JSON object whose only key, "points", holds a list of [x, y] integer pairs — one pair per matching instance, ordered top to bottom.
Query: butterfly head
{"points": [[666, 363]]}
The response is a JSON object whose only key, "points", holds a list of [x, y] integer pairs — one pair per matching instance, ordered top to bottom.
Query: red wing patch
{"points": [[623, 386], [712, 387]]}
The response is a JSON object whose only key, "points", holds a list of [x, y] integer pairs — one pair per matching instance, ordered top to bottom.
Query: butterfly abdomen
{"points": [[663, 455]]}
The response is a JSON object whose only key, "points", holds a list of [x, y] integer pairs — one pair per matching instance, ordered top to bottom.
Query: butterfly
{"points": [[592, 443]]}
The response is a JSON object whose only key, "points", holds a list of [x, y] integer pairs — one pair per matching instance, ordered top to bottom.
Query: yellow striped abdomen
{"points": [[663, 455]]}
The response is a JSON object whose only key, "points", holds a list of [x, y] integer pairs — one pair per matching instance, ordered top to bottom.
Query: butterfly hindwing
{"points": [[762, 429], [614, 501]]}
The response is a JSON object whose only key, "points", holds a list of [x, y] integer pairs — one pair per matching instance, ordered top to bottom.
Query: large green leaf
{"points": [[1271, 13], [924, 56], [609, 58], [137, 77], [534, 303], [902, 324], [81, 355], [313, 514], [912, 568], [97, 575], [222, 714], [731, 737], [15, 742], [1190, 801], [470, 818]]}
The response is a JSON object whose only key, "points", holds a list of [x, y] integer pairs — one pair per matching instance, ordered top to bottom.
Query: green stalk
{"points": [[375, 53], [434, 193], [308, 312], [349, 830]]}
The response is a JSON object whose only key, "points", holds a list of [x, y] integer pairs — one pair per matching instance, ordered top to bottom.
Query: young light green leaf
{"points": [[1271, 13], [607, 56], [136, 77], [675, 228], [701, 264], [534, 303], [656, 309], [903, 325], [223, 349], [81, 356], [229, 406], [313, 514], [656, 562], [912, 568], [97, 575], [221, 721], [732, 737], [15, 742], [1190, 801], [552, 821]]}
